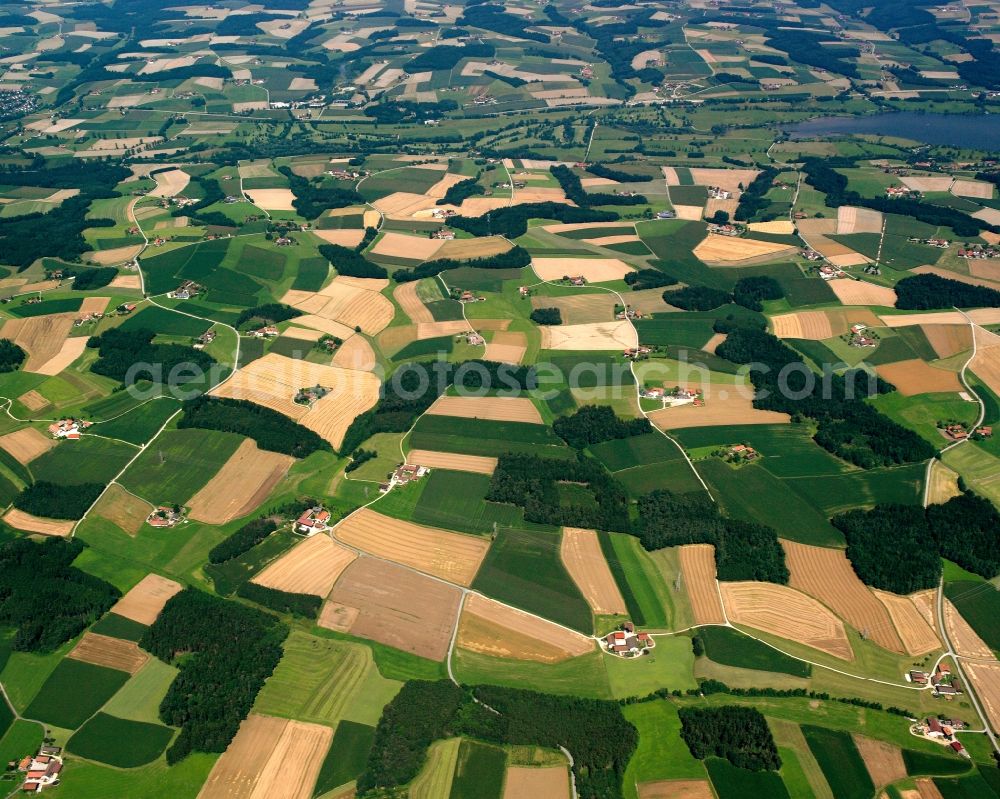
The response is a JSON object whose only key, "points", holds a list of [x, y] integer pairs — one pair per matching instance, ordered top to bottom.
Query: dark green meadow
{"points": [[45, 307], [165, 321], [140, 425], [485, 437], [627, 453], [88, 460], [838, 493], [457, 501], [524, 569], [634, 578], [979, 603], [115, 626], [732, 648], [74, 692], [120, 742], [347, 757], [840, 761], [928, 765], [479, 772], [731, 782]]}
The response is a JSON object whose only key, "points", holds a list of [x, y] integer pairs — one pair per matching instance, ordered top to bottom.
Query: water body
{"points": [[981, 132]]}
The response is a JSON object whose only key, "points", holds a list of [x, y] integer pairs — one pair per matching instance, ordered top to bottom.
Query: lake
{"points": [[980, 132]]}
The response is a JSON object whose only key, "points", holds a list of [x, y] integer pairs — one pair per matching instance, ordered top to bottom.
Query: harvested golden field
{"points": [[727, 179], [170, 183], [927, 183], [439, 189], [978, 189], [272, 199], [404, 205], [692, 213], [851, 219], [569, 227], [782, 227], [816, 233], [345, 237], [604, 241], [402, 245], [467, 249], [732, 249], [116, 255], [594, 270], [972, 279], [126, 282], [375, 284], [860, 292], [409, 300], [649, 301], [345, 303], [92, 305], [581, 309], [981, 316], [314, 322], [811, 325], [426, 330], [619, 335], [41, 337], [948, 340], [714, 342], [506, 347], [71, 349], [355, 353], [986, 365], [918, 377], [273, 381], [32, 400], [726, 406], [497, 409], [27, 443], [479, 464], [943, 484], [241, 485], [122, 509], [36, 524], [450, 556], [582, 556], [311, 567], [827, 575], [698, 578], [146, 599], [926, 604], [396, 606], [787, 613], [492, 628], [916, 634], [964, 639], [114, 653], [985, 678], [270, 758], [883, 760], [526, 782], [676, 789], [926, 789]]}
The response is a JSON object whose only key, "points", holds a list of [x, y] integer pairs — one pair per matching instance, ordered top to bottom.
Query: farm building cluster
{"points": [[69, 428], [403, 474], [166, 516], [313, 520], [625, 642], [942, 731], [42, 770]]}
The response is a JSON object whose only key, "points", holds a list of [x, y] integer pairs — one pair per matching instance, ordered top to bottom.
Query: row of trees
{"points": [[604, 171], [574, 190], [513, 221], [514, 258], [350, 262], [649, 279], [749, 292], [923, 292], [272, 312], [593, 424], [847, 425], [271, 430], [243, 540], [899, 547], [743, 550], [44, 597], [305, 606], [228, 651], [595, 732]]}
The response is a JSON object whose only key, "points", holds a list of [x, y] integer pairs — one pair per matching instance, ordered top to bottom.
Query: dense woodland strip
{"points": [[574, 191], [513, 221], [514, 258], [350, 262], [927, 292], [121, 351], [11, 356], [593, 424], [55, 501], [44, 598], [225, 652], [739, 734]]}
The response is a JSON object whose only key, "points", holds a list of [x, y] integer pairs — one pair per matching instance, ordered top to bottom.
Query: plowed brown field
{"points": [[594, 270], [860, 292], [948, 340], [918, 377], [32, 400], [734, 408], [27, 443], [123, 509], [451, 556], [582, 556], [311, 567], [827, 575], [698, 576], [146, 599], [396, 607], [787, 613], [114, 653], [883, 760], [524, 782], [676, 789]]}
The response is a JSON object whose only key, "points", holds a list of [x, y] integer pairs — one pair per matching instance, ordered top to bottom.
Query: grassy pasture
{"points": [[194, 262], [312, 274], [45, 307], [165, 321], [675, 329], [923, 411], [140, 424], [485, 437], [89, 460], [179, 463], [838, 493], [754, 494], [456, 501], [524, 569], [645, 596], [115, 626], [732, 648], [74, 692], [139, 699], [21, 738], [120, 742], [661, 754], [347, 757], [841, 763], [924, 764], [479, 773], [436, 777], [154, 781], [731, 782], [971, 787]]}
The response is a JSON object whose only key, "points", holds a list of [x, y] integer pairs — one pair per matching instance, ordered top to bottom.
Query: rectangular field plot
{"points": [[484, 437], [457, 501], [144, 602], [114, 653], [74, 692], [120, 742], [841, 763], [731, 782]]}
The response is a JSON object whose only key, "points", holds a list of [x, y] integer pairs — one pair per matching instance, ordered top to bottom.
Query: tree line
{"points": [[574, 191], [513, 220], [514, 258], [351, 262], [925, 292], [11, 356], [593, 424], [54, 501], [738, 733]]}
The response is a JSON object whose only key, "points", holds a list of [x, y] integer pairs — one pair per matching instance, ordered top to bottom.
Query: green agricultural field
{"points": [[409, 179], [164, 271], [45, 307], [167, 322], [675, 329], [923, 412], [139, 425], [485, 437], [89, 460], [175, 466], [978, 467], [856, 489], [754, 494], [457, 501], [525, 569], [228, 576], [641, 586], [979, 603], [115, 626], [733, 648], [670, 665], [584, 676], [323, 681], [74, 692], [139, 699], [22, 738], [119, 742], [661, 754], [347, 757], [841, 763], [923, 764], [479, 773], [802, 774], [435, 779], [95, 781], [737, 783], [971, 787]]}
